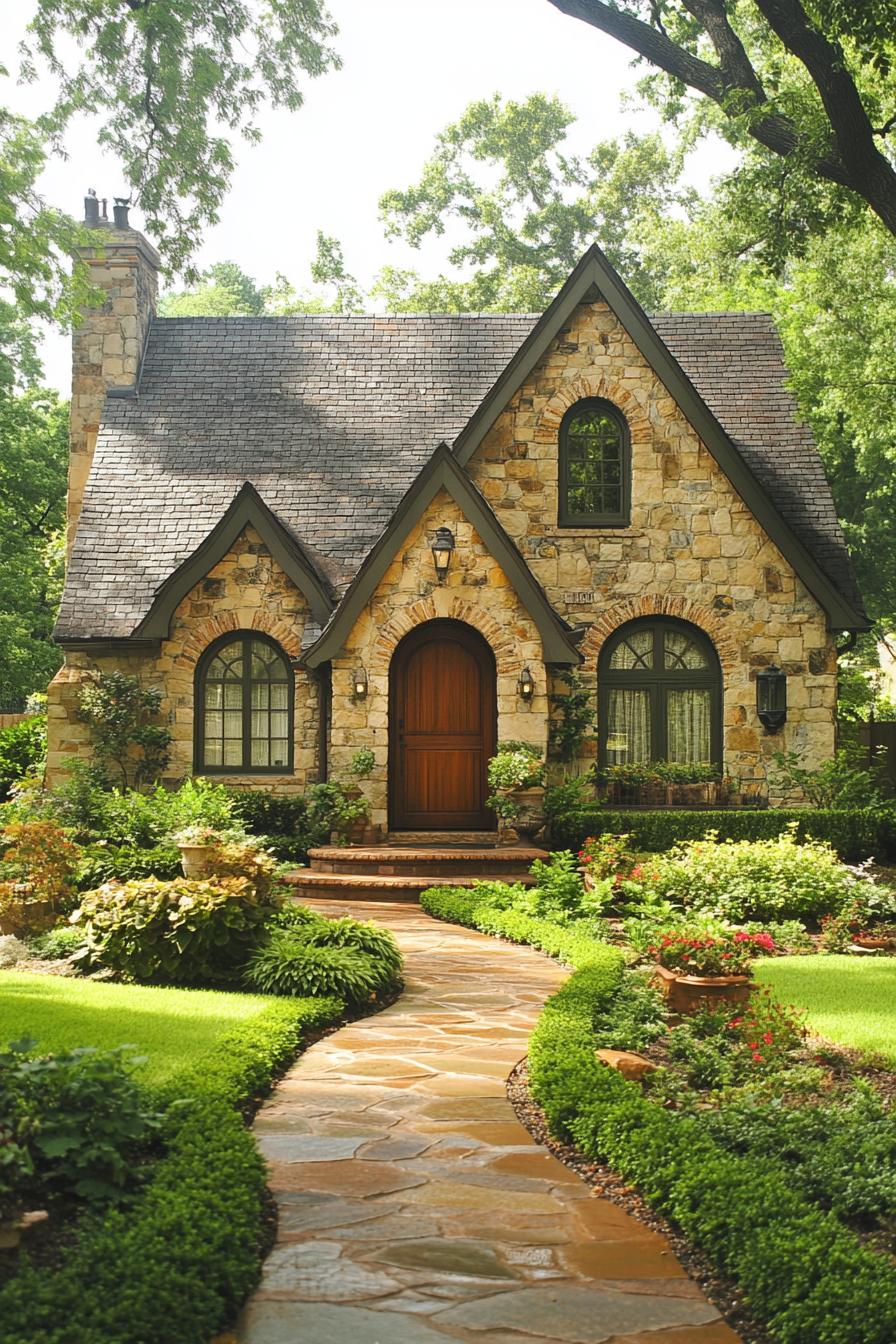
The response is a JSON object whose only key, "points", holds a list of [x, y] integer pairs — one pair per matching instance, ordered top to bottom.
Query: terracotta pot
{"points": [[196, 860], [688, 993]]}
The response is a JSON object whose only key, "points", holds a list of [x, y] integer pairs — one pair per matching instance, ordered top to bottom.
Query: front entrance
{"points": [[442, 729]]}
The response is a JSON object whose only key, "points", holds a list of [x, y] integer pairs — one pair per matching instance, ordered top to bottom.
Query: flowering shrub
{"points": [[516, 766], [41, 854], [607, 856], [738, 880], [727, 953], [768, 1032], [717, 1049]]}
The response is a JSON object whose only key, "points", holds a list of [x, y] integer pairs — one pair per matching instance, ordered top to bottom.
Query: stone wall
{"points": [[107, 345], [692, 550], [247, 590], [476, 591]]}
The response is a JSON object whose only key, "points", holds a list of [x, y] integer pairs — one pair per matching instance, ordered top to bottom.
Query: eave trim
{"points": [[443, 473]]}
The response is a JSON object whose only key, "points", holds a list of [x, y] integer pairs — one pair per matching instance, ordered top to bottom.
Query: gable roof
{"points": [[594, 277], [332, 418], [443, 473]]}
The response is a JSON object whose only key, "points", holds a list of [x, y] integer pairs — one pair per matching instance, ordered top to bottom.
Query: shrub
{"points": [[120, 714], [23, 746], [845, 781], [854, 835], [41, 854], [235, 859], [101, 863], [760, 879], [559, 892], [180, 932], [362, 935], [62, 941], [289, 964], [634, 1018], [81, 1118]]}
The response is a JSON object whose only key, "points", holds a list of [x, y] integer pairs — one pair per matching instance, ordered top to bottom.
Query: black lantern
{"points": [[442, 546], [359, 683], [526, 685], [771, 698]]}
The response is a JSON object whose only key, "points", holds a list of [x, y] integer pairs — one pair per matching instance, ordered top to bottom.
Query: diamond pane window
{"points": [[594, 466], [244, 695]]}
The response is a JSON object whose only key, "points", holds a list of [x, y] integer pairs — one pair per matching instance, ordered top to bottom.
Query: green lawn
{"points": [[848, 999], [172, 1027]]}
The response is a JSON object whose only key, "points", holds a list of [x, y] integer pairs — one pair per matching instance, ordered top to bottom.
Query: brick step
{"points": [[432, 864], [308, 884]]}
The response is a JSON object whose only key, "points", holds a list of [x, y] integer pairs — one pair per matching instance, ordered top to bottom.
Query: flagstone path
{"points": [[414, 1208]]}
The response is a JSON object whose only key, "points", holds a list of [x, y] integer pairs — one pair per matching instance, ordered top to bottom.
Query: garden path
{"points": [[414, 1208]]}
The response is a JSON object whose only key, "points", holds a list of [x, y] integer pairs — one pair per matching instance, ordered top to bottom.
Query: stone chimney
{"points": [[107, 347]]}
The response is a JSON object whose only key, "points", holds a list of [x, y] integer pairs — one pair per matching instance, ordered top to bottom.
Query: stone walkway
{"points": [[413, 1206]]}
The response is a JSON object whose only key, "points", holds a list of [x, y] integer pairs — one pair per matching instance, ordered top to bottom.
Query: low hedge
{"points": [[855, 835], [175, 1266], [798, 1268]]}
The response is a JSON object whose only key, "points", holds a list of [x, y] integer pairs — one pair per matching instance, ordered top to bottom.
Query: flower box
{"points": [[688, 993]]}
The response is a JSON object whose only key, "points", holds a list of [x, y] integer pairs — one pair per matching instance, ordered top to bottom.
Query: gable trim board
{"points": [[594, 272], [443, 472], [247, 509]]}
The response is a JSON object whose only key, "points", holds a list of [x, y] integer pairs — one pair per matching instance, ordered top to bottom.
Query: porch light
{"points": [[442, 546], [359, 683], [526, 685], [771, 698]]}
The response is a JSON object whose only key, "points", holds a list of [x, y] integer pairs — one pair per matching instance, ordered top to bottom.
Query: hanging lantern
{"points": [[442, 546], [359, 683], [526, 684], [771, 698]]}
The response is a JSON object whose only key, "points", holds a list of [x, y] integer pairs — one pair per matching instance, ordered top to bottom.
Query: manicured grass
{"points": [[848, 999], [172, 1027]]}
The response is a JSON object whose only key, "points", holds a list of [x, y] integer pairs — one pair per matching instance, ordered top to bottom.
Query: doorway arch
{"points": [[442, 729]]}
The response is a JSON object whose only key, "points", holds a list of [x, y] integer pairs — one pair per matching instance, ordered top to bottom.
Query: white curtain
{"points": [[688, 725], [628, 726]]}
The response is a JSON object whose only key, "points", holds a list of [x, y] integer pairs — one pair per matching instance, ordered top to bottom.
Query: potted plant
{"points": [[516, 780], [353, 811], [197, 845], [693, 967]]}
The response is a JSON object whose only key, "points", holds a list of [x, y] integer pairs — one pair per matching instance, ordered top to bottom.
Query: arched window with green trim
{"points": [[594, 466], [660, 694], [244, 707]]}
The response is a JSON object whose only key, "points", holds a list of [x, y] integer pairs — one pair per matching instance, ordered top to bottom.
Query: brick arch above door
{"points": [[656, 604], [502, 643]]}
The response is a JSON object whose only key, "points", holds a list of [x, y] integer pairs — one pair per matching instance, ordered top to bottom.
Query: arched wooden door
{"points": [[442, 729]]}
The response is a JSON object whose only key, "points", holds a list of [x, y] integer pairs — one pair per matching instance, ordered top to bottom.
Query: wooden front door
{"points": [[442, 728]]}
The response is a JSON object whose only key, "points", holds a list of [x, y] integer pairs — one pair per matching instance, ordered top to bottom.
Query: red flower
{"points": [[767, 1037], [757, 1057]]}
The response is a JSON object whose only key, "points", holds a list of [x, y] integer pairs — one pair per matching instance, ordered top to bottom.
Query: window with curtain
{"points": [[594, 466], [244, 695], [660, 695]]}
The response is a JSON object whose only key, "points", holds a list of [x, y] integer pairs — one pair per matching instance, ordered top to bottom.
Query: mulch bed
{"points": [[717, 1288]]}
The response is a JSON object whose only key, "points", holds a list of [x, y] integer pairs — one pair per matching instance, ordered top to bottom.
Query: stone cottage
{"points": [[322, 533]]}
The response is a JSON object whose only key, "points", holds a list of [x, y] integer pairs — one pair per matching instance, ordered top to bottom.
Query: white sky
{"points": [[409, 68]]}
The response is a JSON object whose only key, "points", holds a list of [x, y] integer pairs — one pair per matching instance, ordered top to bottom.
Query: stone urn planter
{"points": [[531, 816], [197, 861], [688, 993]]}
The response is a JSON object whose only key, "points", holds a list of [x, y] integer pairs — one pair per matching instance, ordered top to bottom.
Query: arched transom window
{"points": [[594, 466], [244, 694], [660, 698]]}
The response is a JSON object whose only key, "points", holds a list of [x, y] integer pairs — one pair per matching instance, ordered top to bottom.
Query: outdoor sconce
{"points": [[442, 546], [359, 683], [526, 685], [771, 698]]}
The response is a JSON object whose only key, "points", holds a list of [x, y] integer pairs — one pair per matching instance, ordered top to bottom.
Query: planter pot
{"points": [[531, 818], [197, 861], [873, 944], [688, 993]]}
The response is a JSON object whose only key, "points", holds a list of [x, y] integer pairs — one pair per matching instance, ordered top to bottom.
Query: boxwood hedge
{"points": [[855, 835], [174, 1266], [799, 1269]]}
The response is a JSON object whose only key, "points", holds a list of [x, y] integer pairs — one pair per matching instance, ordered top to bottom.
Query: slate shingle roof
{"points": [[332, 417]]}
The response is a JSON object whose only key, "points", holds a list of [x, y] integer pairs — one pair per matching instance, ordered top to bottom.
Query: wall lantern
{"points": [[442, 546], [359, 683], [526, 685], [771, 698]]}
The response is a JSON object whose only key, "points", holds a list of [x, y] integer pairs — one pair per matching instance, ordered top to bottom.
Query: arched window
{"points": [[594, 466], [660, 694], [244, 697]]}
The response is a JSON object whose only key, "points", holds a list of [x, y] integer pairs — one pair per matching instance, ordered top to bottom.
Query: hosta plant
{"points": [[287, 964]]}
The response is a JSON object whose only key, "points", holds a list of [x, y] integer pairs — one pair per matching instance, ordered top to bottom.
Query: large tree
{"points": [[810, 83]]}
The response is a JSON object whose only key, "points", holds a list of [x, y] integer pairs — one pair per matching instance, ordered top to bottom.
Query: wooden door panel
{"points": [[442, 728]]}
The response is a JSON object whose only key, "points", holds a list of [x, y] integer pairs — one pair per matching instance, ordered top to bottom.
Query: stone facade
{"points": [[692, 550], [247, 590]]}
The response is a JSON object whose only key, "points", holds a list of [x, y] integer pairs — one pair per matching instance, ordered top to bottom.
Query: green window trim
{"points": [[594, 466], [658, 669], [227, 686]]}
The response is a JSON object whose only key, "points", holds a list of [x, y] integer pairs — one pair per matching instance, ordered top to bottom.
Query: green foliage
{"points": [[120, 713], [572, 716], [22, 749], [362, 763], [841, 782], [568, 797], [853, 834], [127, 863], [776, 879], [559, 893], [179, 932], [362, 935], [57, 943], [292, 962], [634, 1018], [80, 1116], [178, 1264]]}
